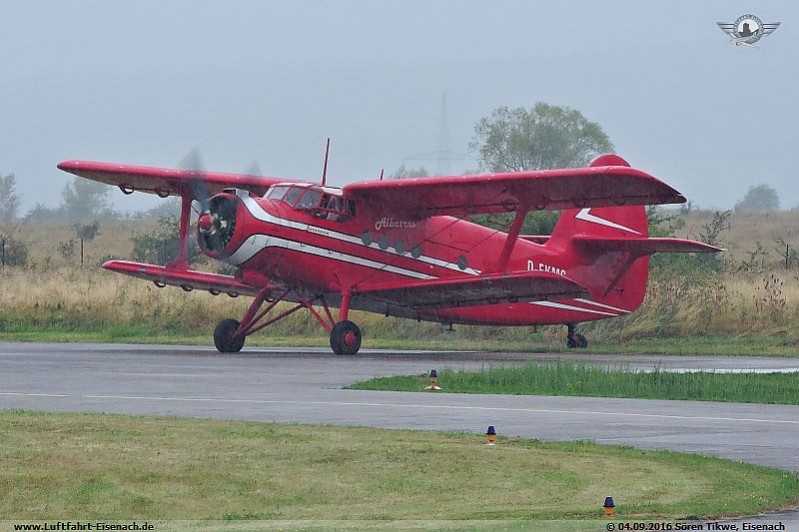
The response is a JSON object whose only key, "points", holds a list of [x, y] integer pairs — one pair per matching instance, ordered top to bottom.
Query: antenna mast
{"points": [[324, 170]]}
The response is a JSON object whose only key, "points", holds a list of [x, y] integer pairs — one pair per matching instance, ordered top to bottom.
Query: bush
{"points": [[13, 252]]}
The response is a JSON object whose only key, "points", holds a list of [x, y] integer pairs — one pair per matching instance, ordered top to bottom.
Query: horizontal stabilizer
{"points": [[643, 245], [186, 279], [474, 291]]}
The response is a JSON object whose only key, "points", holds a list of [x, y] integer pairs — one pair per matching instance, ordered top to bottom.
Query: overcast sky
{"points": [[145, 82]]}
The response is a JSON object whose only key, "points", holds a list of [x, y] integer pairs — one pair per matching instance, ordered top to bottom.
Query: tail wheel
{"points": [[225, 337], [345, 338], [576, 340], [582, 341], [571, 342]]}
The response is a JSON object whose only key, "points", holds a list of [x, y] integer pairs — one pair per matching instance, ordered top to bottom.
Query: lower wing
{"points": [[186, 279], [474, 291]]}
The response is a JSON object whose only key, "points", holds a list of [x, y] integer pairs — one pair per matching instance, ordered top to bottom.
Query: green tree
{"points": [[542, 137], [759, 198], [9, 199], [83, 199], [161, 245]]}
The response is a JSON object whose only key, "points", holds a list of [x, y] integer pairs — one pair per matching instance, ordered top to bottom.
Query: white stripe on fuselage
{"points": [[259, 213], [256, 243], [602, 305], [563, 306]]}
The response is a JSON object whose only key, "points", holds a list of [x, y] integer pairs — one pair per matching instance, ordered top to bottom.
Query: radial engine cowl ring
{"points": [[217, 226]]}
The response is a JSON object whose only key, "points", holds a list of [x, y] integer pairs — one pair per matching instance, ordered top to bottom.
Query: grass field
{"points": [[89, 304], [591, 381], [95, 466]]}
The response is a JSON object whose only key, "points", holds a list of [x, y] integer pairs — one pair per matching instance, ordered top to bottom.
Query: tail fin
{"points": [[609, 248], [617, 274], [617, 277]]}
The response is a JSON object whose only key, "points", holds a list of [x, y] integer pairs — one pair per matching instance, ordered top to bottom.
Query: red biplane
{"points": [[406, 248]]}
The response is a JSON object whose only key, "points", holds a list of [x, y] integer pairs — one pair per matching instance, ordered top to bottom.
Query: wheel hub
{"points": [[349, 338]]}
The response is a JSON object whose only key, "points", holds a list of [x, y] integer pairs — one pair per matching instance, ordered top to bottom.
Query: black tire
{"points": [[225, 337], [345, 338], [582, 341], [571, 342]]}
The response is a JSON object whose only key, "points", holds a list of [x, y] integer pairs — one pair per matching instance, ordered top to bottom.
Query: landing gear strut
{"points": [[345, 336], [575, 339]]}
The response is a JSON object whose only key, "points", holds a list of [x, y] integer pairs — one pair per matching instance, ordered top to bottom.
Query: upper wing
{"points": [[768, 28], [165, 181], [493, 193], [472, 291]]}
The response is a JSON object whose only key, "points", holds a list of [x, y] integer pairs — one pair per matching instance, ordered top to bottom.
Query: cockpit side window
{"points": [[310, 200], [335, 208]]}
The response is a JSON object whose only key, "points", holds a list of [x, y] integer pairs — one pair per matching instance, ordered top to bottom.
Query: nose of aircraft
{"points": [[205, 222]]}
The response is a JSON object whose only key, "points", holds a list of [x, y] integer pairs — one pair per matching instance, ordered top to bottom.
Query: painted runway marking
{"points": [[400, 405]]}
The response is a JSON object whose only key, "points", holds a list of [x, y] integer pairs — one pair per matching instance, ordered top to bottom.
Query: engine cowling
{"points": [[216, 226]]}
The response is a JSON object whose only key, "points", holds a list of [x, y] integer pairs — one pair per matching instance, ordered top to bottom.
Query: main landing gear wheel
{"points": [[225, 337], [345, 338], [575, 339]]}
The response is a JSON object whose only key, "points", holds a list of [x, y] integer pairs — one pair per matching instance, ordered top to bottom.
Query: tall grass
{"points": [[753, 295], [69, 298], [593, 381]]}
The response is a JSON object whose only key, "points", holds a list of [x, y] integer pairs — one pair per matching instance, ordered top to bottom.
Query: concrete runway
{"points": [[305, 385]]}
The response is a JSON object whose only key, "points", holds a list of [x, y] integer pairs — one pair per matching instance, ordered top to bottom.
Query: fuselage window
{"points": [[310, 200], [335, 208]]}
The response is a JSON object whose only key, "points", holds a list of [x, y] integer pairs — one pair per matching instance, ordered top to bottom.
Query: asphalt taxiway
{"points": [[306, 385]]}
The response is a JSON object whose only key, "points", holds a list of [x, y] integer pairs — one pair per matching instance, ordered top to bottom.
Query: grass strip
{"points": [[537, 343], [588, 380], [97, 466]]}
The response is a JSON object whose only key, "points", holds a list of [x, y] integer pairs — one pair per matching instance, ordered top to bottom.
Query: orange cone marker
{"points": [[433, 382], [491, 435], [610, 508]]}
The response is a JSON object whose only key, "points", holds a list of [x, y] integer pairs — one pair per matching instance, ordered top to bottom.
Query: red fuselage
{"points": [[317, 251]]}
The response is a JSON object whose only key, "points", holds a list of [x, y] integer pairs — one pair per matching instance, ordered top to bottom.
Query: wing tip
{"points": [[69, 165]]}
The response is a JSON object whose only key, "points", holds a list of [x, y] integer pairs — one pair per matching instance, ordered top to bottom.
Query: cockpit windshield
{"points": [[276, 193]]}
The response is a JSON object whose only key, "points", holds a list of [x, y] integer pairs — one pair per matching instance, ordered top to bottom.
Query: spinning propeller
{"points": [[216, 222]]}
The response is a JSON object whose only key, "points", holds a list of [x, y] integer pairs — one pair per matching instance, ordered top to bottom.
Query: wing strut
{"points": [[511, 239], [181, 262]]}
